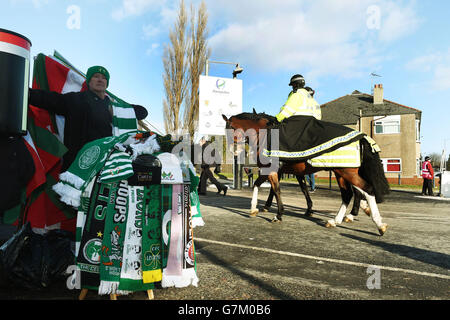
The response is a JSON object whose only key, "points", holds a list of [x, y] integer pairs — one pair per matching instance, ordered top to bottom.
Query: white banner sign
{"points": [[218, 96]]}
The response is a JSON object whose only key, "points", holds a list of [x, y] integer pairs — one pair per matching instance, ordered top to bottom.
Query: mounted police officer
{"points": [[299, 101]]}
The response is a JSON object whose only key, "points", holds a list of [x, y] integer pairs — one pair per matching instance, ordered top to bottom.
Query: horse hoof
{"points": [[265, 209], [367, 211], [254, 213], [308, 213], [275, 220], [330, 224], [382, 229]]}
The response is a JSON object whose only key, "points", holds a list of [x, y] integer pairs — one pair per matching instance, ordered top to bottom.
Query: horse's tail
{"points": [[372, 171]]}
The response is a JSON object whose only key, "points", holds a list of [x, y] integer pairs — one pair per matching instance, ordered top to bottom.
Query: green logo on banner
{"points": [[92, 249], [152, 257]]}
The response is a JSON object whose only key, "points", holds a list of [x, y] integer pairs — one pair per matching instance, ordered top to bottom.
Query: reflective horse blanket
{"points": [[301, 138]]}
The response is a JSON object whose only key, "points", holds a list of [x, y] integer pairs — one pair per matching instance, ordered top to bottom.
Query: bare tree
{"points": [[184, 59], [197, 61], [175, 72], [435, 159]]}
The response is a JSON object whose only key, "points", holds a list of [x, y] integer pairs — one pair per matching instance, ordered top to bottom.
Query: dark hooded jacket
{"points": [[87, 117]]}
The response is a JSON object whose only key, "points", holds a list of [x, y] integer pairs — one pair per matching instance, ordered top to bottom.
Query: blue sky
{"points": [[334, 44]]}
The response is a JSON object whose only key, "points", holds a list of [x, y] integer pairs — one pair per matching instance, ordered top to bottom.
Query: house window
{"points": [[387, 125], [417, 130], [392, 165]]}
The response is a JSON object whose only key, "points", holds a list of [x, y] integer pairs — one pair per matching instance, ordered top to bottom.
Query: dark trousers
{"points": [[204, 176], [427, 186]]}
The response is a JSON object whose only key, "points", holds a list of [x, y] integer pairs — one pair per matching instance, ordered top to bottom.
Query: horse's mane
{"points": [[258, 116]]}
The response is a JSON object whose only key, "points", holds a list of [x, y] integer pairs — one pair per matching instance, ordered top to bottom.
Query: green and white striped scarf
{"points": [[91, 159]]}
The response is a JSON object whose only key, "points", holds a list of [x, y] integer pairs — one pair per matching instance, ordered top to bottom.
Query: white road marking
{"points": [[299, 255]]}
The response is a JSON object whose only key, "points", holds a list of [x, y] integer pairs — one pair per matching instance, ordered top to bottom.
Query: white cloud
{"points": [[36, 3], [39, 3], [135, 8], [397, 21], [150, 31], [322, 37], [152, 48], [424, 63], [433, 70], [441, 79]]}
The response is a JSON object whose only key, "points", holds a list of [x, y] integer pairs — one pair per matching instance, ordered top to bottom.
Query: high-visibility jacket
{"points": [[299, 103], [427, 170]]}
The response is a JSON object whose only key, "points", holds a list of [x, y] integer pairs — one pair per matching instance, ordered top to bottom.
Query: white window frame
{"points": [[385, 122], [417, 130], [385, 164]]}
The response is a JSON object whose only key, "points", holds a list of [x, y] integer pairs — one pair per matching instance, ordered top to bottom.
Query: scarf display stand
{"points": [[113, 296]]}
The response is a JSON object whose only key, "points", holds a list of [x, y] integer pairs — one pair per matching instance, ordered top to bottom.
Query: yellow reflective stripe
{"points": [[289, 110], [347, 156]]}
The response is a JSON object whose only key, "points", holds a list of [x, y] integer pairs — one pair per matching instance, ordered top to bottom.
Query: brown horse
{"points": [[368, 179]]}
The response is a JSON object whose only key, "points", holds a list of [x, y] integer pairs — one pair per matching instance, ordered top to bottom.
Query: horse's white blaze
{"points": [[254, 199], [376, 217]]}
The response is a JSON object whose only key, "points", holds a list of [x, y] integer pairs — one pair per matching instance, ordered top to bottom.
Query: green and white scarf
{"points": [[89, 162], [151, 236], [90, 237], [113, 238], [131, 273]]}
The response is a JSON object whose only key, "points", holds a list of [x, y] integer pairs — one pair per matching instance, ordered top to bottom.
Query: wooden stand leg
{"points": [[83, 294], [150, 295]]}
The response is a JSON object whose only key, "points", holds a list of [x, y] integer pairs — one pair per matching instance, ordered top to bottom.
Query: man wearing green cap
{"points": [[97, 78], [87, 114]]}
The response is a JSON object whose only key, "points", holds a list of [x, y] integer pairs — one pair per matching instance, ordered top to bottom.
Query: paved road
{"points": [[239, 257], [250, 258]]}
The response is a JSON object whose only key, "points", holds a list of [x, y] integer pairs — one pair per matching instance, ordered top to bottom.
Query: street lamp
{"points": [[238, 69], [237, 167]]}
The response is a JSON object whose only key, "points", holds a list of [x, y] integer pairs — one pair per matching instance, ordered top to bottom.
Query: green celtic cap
{"points": [[97, 69]]}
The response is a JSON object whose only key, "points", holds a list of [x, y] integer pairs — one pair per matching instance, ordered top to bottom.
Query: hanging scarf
{"points": [[89, 161], [118, 166], [190, 177], [166, 195], [197, 220], [114, 233], [151, 236], [89, 252], [174, 263], [180, 271], [131, 273], [189, 275]]}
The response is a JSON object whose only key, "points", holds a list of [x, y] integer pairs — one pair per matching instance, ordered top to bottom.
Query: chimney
{"points": [[378, 94]]}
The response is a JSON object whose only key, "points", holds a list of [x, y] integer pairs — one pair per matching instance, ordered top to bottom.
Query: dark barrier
{"points": [[14, 82]]}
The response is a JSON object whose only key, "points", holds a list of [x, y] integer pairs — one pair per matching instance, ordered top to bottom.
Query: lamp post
{"points": [[236, 70], [237, 167]]}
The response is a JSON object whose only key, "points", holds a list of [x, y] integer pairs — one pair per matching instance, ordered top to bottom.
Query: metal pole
{"points": [[237, 167], [237, 173], [330, 181]]}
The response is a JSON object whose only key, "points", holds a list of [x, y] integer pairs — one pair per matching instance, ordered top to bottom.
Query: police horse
{"points": [[369, 179]]}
